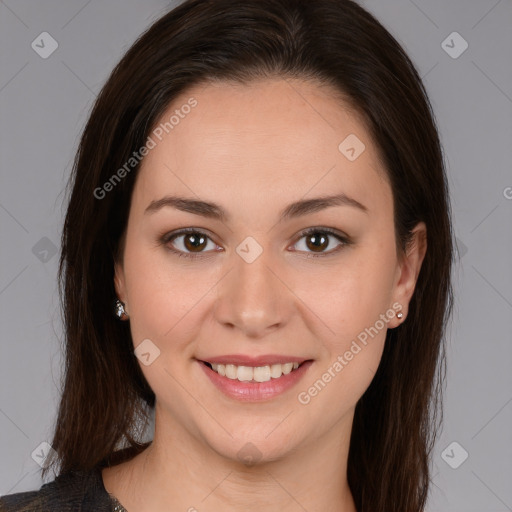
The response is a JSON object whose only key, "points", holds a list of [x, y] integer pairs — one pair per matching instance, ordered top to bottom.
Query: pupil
{"points": [[197, 241], [318, 241]]}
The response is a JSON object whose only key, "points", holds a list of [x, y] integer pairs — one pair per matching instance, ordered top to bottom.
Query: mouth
{"points": [[253, 373], [254, 382]]}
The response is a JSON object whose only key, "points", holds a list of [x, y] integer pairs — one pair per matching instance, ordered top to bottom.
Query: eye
{"points": [[318, 240], [187, 242], [193, 243]]}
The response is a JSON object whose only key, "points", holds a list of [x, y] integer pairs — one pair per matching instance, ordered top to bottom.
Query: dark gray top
{"points": [[81, 491]]}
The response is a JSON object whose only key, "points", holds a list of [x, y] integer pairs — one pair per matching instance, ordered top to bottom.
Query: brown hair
{"points": [[106, 399]]}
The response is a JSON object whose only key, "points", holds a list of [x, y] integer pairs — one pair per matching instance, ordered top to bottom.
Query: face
{"points": [[267, 274]]}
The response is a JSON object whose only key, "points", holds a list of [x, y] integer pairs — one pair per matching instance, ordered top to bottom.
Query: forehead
{"points": [[268, 142]]}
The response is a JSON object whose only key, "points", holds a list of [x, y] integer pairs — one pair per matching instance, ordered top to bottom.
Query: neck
{"points": [[179, 471]]}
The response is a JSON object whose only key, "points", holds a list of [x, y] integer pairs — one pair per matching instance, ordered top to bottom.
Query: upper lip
{"points": [[263, 360]]}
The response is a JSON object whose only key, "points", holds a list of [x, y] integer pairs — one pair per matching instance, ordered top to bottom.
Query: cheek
{"points": [[155, 293], [352, 296], [167, 300], [353, 302], [352, 353], [334, 390]]}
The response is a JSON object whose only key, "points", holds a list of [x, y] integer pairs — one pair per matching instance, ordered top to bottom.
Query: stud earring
{"points": [[119, 309], [399, 315]]}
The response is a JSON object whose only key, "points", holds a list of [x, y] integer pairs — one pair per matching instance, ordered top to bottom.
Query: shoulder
{"points": [[80, 491]]}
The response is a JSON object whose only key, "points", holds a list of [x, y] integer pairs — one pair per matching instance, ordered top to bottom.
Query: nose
{"points": [[252, 298]]}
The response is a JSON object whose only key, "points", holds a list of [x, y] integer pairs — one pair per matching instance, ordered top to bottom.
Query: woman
{"points": [[260, 198]]}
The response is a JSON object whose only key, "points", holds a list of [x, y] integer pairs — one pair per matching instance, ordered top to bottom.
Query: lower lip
{"points": [[255, 391]]}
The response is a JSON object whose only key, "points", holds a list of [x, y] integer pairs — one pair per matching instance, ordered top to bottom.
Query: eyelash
{"points": [[168, 237]]}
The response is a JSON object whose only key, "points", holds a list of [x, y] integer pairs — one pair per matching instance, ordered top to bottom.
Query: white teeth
{"points": [[287, 368], [231, 371], [276, 371], [244, 373], [250, 373], [262, 373]]}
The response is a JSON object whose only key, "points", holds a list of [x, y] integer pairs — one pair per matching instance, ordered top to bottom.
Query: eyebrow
{"points": [[215, 211]]}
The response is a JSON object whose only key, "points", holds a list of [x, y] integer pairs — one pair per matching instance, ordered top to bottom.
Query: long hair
{"points": [[106, 400]]}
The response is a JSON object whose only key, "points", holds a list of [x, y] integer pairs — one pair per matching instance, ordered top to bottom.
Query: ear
{"points": [[409, 268], [119, 282]]}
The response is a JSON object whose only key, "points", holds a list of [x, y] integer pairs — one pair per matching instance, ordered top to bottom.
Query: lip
{"points": [[263, 360], [255, 391]]}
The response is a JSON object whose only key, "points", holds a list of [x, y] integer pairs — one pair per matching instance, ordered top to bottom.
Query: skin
{"points": [[254, 149]]}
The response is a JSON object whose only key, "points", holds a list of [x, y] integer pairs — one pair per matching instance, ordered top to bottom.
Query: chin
{"points": [[253, 445]]}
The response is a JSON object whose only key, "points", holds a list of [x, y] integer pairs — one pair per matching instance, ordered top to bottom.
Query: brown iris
{"points": [[194, 241], [319, 241]]}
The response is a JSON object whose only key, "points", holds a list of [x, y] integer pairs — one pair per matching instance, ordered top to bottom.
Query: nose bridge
{"points": [[251, 297]]}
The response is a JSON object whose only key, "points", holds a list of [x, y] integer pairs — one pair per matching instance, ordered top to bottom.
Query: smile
{"points": [[253, 374], [254, 383]]}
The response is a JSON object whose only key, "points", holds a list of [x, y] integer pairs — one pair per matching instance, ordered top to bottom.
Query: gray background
{"points": [[43, 107]]}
